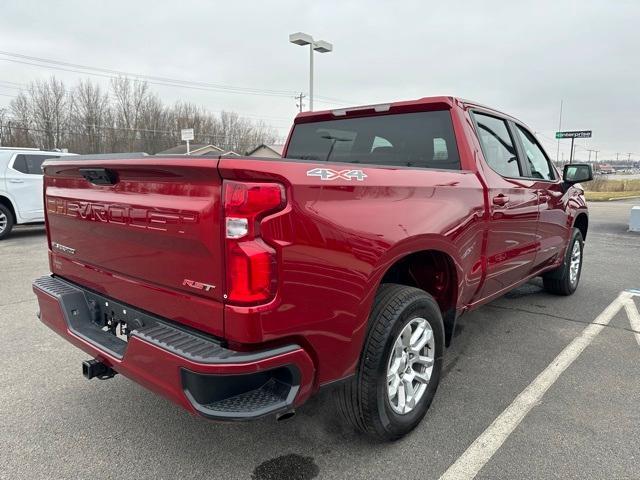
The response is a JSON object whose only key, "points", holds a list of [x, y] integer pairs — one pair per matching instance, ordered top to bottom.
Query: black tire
{"points": [[5, 228], [559, 281], [363, 400]]}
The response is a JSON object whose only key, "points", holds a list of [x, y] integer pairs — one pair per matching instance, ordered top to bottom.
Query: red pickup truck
{"points": [[238, 287]]}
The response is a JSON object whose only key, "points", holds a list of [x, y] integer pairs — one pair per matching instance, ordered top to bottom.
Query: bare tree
{"points": [[130, 96], [48, 107], [89, 117], [128, 117], [156, 118], [19, 128], [4, 134]]}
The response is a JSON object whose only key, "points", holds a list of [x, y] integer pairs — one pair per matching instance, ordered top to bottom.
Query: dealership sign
{"points": [[186, 134], [574, 134]]}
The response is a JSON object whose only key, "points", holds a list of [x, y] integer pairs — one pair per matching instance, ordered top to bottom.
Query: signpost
{"points": [[187, 135], [573, 135]]}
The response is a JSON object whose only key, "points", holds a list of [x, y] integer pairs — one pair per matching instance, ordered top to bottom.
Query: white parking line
{"points": [[634, 317], [485, 446]]}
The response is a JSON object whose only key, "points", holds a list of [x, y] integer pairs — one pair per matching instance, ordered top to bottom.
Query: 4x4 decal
{"points": [[330, 174]]}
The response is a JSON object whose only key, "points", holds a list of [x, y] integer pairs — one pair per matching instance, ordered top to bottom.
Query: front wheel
{"points": [[564, 279], [400, 366]]}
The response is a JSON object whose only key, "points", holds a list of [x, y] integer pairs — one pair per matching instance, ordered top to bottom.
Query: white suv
{"points": [[21, 186]]}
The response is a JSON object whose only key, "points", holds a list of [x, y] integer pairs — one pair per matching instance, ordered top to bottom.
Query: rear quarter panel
{"points": [[337, 238]]}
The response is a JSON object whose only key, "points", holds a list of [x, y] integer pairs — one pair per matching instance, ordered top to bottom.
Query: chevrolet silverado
{"points": [[239, 287]]}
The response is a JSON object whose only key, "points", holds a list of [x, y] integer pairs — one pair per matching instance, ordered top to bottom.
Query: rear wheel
{"points": [[6, 222], [564, 279], [400, 366]]}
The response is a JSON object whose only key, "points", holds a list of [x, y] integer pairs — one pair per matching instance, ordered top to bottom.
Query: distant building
{"points": [[195, 149], [263, 150], [605, 169]]}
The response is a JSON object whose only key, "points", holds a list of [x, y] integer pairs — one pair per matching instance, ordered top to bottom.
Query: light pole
{"points": [[321, 46]]}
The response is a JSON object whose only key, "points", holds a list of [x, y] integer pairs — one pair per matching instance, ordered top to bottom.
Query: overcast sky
{"points": [[522, 60]]}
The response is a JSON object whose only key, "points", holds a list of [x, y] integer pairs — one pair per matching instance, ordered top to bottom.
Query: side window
{"points": [[497, 145], [537, 160], [20, 163], [34, 163], [30, 164]]}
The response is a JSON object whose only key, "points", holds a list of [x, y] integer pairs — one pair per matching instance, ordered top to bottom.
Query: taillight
{"points": [[251, 263]]}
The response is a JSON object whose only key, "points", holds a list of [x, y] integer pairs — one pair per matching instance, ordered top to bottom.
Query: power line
{"points": [[120, 73], [152, 79], [153, 82], [577, 146]]}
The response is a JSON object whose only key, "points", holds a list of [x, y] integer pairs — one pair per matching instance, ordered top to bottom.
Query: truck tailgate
{"points": [[145, 231]]}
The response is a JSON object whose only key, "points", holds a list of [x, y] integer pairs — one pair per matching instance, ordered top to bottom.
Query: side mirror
{"points": [[577, 173]]}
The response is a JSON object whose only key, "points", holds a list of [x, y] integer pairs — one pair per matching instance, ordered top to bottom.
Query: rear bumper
{"points": [[193, 370]]}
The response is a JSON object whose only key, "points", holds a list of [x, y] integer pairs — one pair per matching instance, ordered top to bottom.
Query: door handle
{"points": [[15, 180], [543, 196], [500, 200]]}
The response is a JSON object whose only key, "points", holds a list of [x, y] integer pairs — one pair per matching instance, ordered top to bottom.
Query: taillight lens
{"points": [[251, 263]]}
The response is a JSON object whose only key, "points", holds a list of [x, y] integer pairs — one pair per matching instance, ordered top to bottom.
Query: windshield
{"points": [[422, 139]]}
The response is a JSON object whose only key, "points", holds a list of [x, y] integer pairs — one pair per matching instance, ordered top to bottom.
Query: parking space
{"points": [[58, 425]]}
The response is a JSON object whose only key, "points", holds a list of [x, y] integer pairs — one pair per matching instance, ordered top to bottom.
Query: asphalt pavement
{"points": [[56, 424]]}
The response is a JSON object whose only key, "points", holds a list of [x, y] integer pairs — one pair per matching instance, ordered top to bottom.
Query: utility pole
{"points": [[311, 77], [299, 103], [559, 129], [571, 153], [617, 154], [596, 155], [629, 157]]}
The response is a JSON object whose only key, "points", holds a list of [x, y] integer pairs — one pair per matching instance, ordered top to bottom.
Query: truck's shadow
{"points": [[26, 231], [293, 448]]}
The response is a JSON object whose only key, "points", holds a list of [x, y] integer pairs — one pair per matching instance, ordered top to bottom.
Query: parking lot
{"points": [[55, 424]]}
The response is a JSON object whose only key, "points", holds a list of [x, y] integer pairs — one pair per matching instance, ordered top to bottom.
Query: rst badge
{"points": [[330, 174], [198, 285]]}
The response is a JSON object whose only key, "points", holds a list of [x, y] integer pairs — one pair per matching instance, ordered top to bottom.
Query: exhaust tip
{"points": [[286, 415]]}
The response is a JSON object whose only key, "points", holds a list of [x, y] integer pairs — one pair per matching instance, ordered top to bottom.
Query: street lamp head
{"points": [[300, 38], [322, 46]]}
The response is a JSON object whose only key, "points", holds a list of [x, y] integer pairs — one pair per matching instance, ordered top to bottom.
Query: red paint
{"points": [[332, 242]]}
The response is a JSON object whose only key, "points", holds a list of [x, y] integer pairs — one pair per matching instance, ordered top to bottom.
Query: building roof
{"points": [[193, 148], [276, 148], [221, 152]]}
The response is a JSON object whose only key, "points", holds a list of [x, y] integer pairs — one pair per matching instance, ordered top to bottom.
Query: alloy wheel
{"points": [[574, 266], [410, 365]]}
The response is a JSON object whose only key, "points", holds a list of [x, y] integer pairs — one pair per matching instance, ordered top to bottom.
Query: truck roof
{"points": [[424, 103]]}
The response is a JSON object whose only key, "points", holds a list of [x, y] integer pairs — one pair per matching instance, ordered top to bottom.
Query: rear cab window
{"points": [[420, 139]]}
